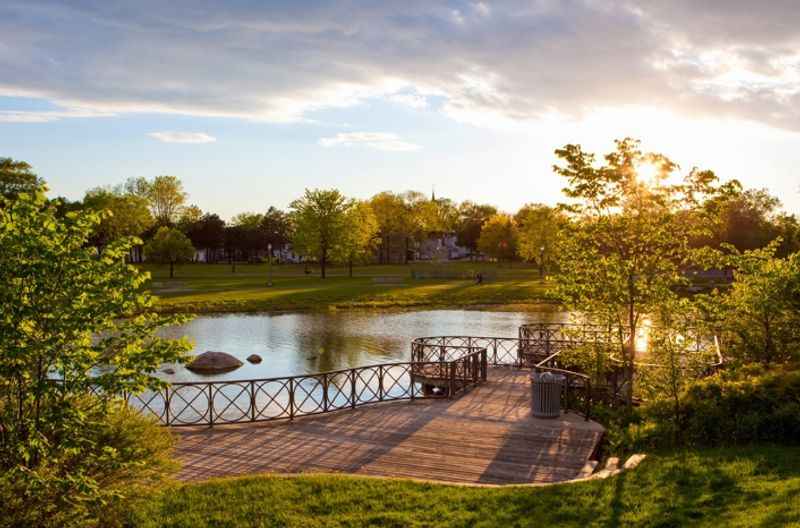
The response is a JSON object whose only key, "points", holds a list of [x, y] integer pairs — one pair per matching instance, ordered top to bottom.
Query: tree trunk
{"points": [[323, 261], [350, 265], [171, 269], [541, 269]]}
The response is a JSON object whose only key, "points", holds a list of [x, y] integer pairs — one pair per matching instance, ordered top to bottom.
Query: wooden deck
{"points": [[486, 436]]}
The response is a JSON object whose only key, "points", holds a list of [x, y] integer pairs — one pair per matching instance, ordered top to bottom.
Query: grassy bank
{"points": [[199, 288], [755, 486]]}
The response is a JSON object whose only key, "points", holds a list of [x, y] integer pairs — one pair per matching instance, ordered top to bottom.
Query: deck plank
{"points": [[485, 436]]}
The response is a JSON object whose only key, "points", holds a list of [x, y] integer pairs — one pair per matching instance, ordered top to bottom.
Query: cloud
{"points": [[513, 61], [411, 100], [47, 116], [182, 137], [374, 140]]}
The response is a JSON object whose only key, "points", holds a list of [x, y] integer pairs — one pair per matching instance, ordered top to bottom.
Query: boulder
{"points": [[254, 358], [213, 363], [170, 371]]}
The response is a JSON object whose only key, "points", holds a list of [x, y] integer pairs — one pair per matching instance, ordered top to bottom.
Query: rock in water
{"points": [[254, 358], [214, 363], [169, 371]]}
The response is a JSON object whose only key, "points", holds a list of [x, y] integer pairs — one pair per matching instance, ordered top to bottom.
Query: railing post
{"points": [[494, 351], [483, 365], [452, 380], [380, 382], [352, 388], [325, 392], [291, 399], [252, 401], [588, 403], [166, 405], [210, 405]]}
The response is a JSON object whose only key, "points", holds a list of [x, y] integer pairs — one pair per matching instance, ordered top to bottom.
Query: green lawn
{"points": [[215, 288], [757, 486]]}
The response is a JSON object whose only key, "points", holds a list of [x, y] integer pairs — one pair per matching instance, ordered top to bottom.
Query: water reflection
{"points": [[313, 342]]}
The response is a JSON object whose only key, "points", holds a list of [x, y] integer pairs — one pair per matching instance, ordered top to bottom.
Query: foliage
{"points": [[17, 177], [165, 195], [128, 214], [471, 217], [395, 220], [319, 221], [276, 227], [540, 227], [208, 233], [499, 237], [358, 239], [169, 246], [623, 255], [760, 313], [73, 314], [747, 405], [93, 478], [741, 487]]}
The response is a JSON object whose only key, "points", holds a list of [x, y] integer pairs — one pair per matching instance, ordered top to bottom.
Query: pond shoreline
{"points": [[225, 307]]}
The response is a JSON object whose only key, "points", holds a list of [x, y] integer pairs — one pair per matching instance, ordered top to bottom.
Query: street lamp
{"points": [[541, 262], [269, 263]]}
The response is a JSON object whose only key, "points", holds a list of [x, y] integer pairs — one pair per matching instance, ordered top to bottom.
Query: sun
{"points": [[648, 173]]}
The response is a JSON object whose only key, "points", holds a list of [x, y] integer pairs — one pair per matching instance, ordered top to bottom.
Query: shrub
{"points": [[742, 407], [90, 479]]}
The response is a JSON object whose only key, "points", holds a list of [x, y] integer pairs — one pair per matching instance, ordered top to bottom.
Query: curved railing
{"points": [[451, 363], [285, 398]]}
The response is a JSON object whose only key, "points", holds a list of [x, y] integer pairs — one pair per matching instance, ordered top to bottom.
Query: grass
{"points": [[199, 288], [754, 486]]}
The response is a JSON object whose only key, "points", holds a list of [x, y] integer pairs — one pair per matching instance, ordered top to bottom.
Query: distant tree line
{"points": [[324, 226]]}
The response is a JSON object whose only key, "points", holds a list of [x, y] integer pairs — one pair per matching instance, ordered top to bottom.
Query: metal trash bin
{"points": [[546, 390]]}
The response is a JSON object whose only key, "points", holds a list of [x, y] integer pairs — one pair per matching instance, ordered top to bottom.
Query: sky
{"points": [[251, 102]]}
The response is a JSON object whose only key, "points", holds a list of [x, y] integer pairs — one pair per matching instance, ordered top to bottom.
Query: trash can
{"points": [[546, 390]]}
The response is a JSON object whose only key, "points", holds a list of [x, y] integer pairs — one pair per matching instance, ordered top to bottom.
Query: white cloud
{"points": [[516, 60], [411, 100], [47, 116], [182, 137], [374, 140]]}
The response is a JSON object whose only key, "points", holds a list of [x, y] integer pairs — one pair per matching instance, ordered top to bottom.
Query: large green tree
{"points": [[17, 177], [164, 194], [128, 214], [471, 217], [319, 224], [540, 227], [359, 236], [499, 237], [169, 246], [622, 259], [74, 321]]}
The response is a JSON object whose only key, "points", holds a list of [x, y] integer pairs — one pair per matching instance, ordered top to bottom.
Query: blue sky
{"points": [[249, 103]]}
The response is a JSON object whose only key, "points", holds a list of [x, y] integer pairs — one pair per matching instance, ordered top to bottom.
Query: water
{"points": [[302, 343]]}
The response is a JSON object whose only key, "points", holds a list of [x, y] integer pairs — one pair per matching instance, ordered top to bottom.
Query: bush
{"points": [[745, 406], [91, 479]]}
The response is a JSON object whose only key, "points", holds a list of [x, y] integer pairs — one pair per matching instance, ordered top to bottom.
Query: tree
{"points": [[17, 177], [165, 196], [128, 214], [189, 216], [471, 217], [319, 220], [395, 221], [276, 227], [539, 229], [207, 233], [248, 236], [499, 237], [358, 240], [169, 246], [622, 257], [761, 311], [74, 320]]}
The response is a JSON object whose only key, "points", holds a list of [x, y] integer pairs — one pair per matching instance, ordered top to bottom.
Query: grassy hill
{"points": [[216, 288], [753, 486]]}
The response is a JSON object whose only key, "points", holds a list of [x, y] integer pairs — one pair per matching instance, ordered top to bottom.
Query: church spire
{"points": [[433, 193]]}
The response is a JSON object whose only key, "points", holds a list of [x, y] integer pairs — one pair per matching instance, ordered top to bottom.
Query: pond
{"points": [[302, 343]]}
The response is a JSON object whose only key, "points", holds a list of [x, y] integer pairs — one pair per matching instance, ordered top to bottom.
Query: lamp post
{"points": [[269, 264]]}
